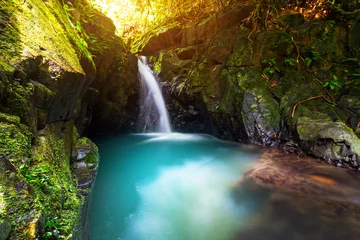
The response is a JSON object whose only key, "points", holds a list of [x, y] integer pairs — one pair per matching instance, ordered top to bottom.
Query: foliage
{"points": [[133, 18], [80, 37], [290, 62], [271, 66], [333, 83]]}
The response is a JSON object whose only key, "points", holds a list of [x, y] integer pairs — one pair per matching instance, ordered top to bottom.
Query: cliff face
{"points": [[58, 63], [282, 77]]}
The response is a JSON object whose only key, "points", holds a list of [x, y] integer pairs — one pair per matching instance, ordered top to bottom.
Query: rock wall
{"points": [[60, 63], [246, 79]]}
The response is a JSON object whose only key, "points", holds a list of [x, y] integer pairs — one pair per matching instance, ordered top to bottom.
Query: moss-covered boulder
{"points": [[241, 51], [260, 111], [329, 140], [86, 163], [20, 212]]}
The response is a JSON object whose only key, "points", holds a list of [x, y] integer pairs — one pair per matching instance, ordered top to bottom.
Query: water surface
{"points": [[168, 186], [194, 187]]}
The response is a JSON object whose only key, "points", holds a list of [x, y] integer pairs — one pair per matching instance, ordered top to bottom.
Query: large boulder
{"points": [[247, 97], [329, 140]]}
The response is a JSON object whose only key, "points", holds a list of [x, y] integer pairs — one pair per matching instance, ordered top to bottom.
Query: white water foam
{"points": [[190, 202]]}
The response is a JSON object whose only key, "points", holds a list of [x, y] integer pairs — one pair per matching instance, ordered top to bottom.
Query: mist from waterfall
{"points": [[153, 116]]}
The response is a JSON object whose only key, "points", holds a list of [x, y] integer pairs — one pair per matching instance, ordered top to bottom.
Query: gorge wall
{"points": [[61, 67], [274, 73]]}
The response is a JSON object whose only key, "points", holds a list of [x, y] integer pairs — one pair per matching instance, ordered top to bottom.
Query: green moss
{"points": [[34, 28], [9, 34], [242, 50], [157, 63], [231, 97], [18, 102], [9, 118], [313, 130], [15, 140], [91, 150], [45, 168], [49, 172], [16, 195]]}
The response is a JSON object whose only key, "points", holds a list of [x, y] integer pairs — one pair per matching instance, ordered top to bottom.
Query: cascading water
{"points": [[152, 106]]}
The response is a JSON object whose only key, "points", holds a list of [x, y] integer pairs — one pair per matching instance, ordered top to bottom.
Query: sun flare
{"points": [[137, 17]]}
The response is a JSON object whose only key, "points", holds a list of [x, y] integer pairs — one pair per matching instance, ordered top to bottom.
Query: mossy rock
{"points": [[278, 41], [242, 50], [295, 87], [42, 95], [231, 96], [248, 96], [18, 103], [329, 140], [15, 141], [87, 151], [86, 164], [58, 191], [19, 205]]}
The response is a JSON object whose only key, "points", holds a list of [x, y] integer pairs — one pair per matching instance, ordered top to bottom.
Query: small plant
{"points": [[290, 62], [308, 62], [272, 68], [334, 83], [37, 176], [52, 227]]}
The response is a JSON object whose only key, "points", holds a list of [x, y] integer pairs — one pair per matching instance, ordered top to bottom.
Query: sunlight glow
{"points": [[121, 12], [136, 17]]}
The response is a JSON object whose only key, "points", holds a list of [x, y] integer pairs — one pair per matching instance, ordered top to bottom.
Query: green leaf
{"points": [[78, 26], [290, 61], [308, 62], [269, 70], [336, 83]]}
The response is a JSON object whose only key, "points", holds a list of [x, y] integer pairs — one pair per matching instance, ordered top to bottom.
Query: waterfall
{"points": [[152, 105]]}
